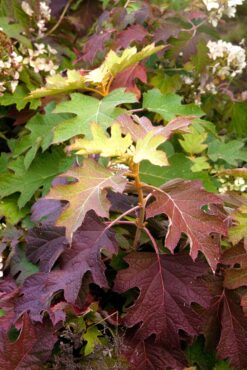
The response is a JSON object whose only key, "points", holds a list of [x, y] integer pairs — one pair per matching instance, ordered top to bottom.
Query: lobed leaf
{"points": [[87, 109], [87, 193], [182, 202], [168, 286]]}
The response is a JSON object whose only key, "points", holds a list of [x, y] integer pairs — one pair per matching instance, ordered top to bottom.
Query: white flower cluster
{"points": [[218, 8], [41, 17], [39, 59], [228, 60], [10, 69], [239, 184]]}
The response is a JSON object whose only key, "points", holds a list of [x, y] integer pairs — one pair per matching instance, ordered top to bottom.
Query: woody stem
{"points": [[141, 203]]}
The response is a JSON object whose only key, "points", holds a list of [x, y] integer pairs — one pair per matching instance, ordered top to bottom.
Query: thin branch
{"points": [[49, 32], [121, 216]]}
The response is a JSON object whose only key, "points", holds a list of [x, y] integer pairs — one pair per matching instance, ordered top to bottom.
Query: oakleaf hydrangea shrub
{"points": [[123, 208]]}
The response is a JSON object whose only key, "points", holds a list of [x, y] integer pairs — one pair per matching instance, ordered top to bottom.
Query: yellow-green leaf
{"points": [[58, 84], [192, 142], [114, 146], [146, 148], [200, 164], [239, 230], [91, 336]]}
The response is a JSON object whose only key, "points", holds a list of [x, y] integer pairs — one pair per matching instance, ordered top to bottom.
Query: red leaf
{"points": [[133, 33], [94, 45], [127, 79], [182, 202], [46, 211], [45, 245], [84, 255], [235, 257], [168, 286], [8, 295], [227, 322], [30, 351], [150, 355]]}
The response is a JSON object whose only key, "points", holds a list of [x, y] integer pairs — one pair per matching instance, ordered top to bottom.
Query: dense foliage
{"points": [[123, 172]]}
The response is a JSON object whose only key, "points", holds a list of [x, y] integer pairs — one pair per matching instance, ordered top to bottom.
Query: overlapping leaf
{"points": [[114, 64], [99, 77], [127, 79], [59, 85], [87, 109], [138, 127], [40, 136], [113, 146], [118, 146], [180, 167], [40, 174], [87, 193], [182, 202], [84, 255], [168, 286]]}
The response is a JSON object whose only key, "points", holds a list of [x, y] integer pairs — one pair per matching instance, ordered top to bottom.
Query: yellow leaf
{"points": [[114, 146], [146, 148]]}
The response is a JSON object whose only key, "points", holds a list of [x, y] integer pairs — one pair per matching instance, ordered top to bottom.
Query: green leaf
{"points": [[14, 31], [201, 58], [165, 83], [16, 98], [169, 105], [88, 109], [40, 127], [231, 152], [180, 167], [39, 175], [10, 210], [91, 336], [196, 355], [222, 365]]}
